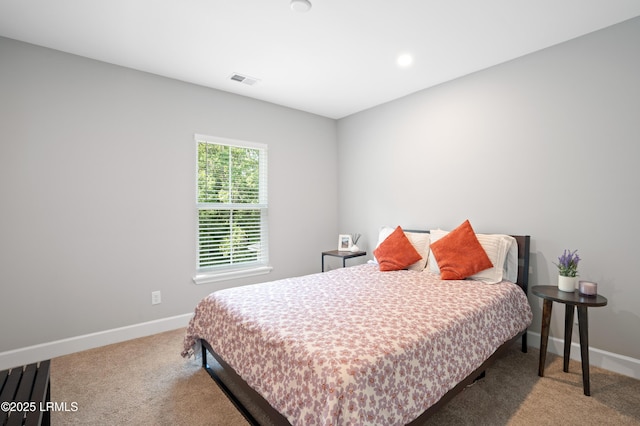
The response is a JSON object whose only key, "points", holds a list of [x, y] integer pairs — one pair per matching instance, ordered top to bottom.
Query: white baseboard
{"points": [[35, 353], [620, 364]]}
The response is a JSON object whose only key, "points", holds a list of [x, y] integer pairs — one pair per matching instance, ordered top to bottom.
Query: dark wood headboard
{"points": [[524, 243]]}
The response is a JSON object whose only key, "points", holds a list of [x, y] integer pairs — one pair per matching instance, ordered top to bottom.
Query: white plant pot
{"points": [[567, 283]]}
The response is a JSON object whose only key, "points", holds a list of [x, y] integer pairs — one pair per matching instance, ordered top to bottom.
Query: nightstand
{"points": [[343, 254], [551, 294]]}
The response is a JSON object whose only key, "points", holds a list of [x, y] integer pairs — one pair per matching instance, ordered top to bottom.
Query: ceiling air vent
{"points": [[245, 79]]}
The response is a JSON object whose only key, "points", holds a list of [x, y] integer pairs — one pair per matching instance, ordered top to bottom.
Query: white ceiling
{"points": [[337, 59]]}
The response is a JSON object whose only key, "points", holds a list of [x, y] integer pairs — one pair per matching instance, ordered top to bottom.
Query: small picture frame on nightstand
{"points": [[344, 242]]}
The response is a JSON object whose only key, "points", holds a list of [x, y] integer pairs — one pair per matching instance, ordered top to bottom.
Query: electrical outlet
{"points": [[155, 297]]}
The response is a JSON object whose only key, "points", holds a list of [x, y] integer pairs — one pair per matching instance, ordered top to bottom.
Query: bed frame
{"points": [[259, 412]]}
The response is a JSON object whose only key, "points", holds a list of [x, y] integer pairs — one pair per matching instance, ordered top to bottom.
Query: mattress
{"points": [[357, 346]]}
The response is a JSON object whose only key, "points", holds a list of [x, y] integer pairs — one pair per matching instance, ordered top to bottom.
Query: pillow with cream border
{"points": [[419, 240], [501, 249], [396, 252], [459, 253]]}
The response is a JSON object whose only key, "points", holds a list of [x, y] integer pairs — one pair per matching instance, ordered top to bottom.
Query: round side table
{"points": [[551, 294]]}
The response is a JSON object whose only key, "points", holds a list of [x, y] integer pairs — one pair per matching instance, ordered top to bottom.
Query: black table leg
{"points": [[547, 305], [583, 323], [568, 329]]}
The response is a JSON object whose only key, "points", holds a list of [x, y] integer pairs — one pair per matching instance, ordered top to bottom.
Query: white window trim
{"points": [[206, 276], [212, 277]]}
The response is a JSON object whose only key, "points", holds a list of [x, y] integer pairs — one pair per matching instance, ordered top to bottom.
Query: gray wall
{"points": [[545, 145], [97, 190]]}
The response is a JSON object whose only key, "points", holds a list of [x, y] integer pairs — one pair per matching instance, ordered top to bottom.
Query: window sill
{"points": [[211, 277]]}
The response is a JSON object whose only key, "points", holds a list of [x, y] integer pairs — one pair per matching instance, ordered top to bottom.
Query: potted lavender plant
{"points": [[567, 270]]}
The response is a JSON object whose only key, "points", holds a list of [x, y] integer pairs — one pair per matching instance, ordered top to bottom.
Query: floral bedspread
{"points": [[356, 346]]}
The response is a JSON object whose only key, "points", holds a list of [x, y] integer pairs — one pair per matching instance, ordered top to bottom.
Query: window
{"points": [[232, 209]]}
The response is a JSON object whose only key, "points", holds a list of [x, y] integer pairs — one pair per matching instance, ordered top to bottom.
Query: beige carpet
{"points": [[146, 382]]}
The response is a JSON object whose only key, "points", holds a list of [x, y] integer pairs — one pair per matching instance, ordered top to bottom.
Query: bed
{"points": [[359, 345]]}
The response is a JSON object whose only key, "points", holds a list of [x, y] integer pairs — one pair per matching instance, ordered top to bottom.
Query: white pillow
{"points": [[436, 234], [419, 240], [499, 250], [511, 265]]}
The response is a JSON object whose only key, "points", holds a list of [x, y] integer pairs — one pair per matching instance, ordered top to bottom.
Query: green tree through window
{"points": [[232, 204]]}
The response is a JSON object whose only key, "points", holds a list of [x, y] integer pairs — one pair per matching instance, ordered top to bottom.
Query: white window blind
{"points": [[232, 205]]}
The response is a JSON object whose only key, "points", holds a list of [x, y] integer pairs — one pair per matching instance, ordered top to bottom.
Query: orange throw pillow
{"points": [[396, 252], [459, 253]]}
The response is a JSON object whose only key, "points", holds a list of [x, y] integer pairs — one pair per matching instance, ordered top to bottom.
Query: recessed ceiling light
{"points": [[300, 5], [404, 60]]}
